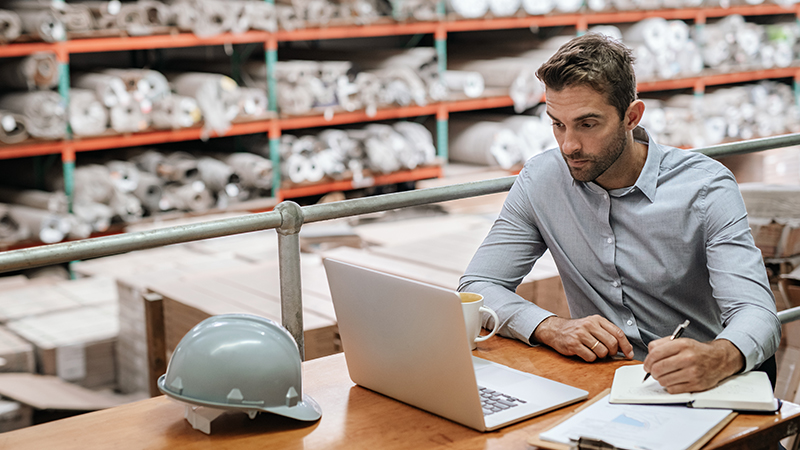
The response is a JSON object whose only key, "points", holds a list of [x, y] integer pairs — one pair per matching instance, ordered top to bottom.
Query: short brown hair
{"points": [[598, 61]]}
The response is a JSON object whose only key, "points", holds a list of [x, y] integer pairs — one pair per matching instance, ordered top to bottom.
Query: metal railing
{"points": [[288, 218]]}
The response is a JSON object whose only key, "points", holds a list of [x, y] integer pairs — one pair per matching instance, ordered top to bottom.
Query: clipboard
{"points": [[537, 442]]}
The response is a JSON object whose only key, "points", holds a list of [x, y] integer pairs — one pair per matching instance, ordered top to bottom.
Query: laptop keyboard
{"points": [[494, 401]]}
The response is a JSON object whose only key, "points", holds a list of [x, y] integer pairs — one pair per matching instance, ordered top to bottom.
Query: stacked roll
{"points": [[743, 112], [504, 141], [339, 154]]}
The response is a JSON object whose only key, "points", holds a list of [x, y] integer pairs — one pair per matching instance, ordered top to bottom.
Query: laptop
{"points": [[407, 340]]}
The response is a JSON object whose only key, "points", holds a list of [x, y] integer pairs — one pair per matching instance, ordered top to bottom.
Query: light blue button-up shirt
{"points": [[673, 246]]}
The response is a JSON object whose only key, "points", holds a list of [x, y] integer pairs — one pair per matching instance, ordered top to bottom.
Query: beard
{"points": [[597, 165]]}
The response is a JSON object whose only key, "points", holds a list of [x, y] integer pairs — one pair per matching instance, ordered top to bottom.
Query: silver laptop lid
{"points": [[406, 340]]}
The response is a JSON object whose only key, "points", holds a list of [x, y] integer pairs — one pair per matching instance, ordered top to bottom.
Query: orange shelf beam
{"points": [[357, 31], [162, 41], [25, 49], [718, 79], [159, 137], [31, 149], [421, 173]]}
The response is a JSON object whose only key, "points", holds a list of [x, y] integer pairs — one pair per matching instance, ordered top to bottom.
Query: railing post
{"points": [[289, 259]]}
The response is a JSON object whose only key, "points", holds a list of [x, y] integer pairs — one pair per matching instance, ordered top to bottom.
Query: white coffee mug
{"points": [[472, 306]]}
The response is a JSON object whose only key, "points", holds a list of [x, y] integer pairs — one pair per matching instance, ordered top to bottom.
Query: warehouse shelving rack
{"points": [[68, 148]]}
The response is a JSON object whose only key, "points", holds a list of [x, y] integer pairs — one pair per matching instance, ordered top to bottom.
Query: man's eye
{"points": [[557, 125]]}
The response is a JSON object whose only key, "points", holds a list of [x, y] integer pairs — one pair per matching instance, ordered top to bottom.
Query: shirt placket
{"points": [[615, 295]]}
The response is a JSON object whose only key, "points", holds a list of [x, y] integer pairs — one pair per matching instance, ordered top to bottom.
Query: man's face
{"points": [[589, 132]]}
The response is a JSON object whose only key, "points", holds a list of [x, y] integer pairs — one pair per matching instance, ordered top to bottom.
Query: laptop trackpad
{"points": [[489, 374]]}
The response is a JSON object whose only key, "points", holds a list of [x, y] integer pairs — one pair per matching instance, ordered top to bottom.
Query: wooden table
{"points": [[354, 417]]}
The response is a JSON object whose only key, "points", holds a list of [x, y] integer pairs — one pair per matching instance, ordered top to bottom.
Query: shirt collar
{"points": [[648, 178]]}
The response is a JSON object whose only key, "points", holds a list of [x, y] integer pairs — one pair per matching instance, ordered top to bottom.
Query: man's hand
{"points": [[590, 337], [686, 365]]}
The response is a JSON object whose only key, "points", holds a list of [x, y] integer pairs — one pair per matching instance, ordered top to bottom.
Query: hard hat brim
{"points": [[308, 410]]}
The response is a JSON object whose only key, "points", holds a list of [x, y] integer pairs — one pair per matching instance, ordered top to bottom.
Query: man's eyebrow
{"points": [[590, 115]]}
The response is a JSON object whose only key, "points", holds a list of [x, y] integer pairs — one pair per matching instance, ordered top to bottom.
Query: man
{"points": [[644, 237]]}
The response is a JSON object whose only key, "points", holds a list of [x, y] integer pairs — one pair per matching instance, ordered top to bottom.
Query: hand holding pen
{"points": [[675, 335]]}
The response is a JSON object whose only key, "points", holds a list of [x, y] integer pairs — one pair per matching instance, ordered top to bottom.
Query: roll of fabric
{"points": [[598, 5], [568, 6], [538, 7], [504, 8], [469, 9], [104, 13], [261, 15], [75, 16], [142, 17], [204, 18], [288, 18], [42, 24], [10, 26], [654, 32], [36, 71], [517, 74], [470, 83], [143, 85], [110, 89], [217, 96], [253, 103], [43, 111], [175, 111], [87, 115], [128, 118], [12, 128], [535, 134], [485, 143], [420, 148], [387, 150], [179, 167], [254, 171], [124, 175], [218, 176], [92, 184], [150, 192], [192, 197], [54, 202], [97, 215], [45, 226], [11, 231]]}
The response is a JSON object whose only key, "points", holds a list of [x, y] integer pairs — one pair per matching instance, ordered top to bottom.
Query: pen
{"points": [[675, 335]]}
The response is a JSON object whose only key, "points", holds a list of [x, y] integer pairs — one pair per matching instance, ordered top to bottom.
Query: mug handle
{"points": [[486, 309]]}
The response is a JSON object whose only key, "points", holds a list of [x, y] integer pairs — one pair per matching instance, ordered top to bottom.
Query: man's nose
{"points": [[570, 143]]}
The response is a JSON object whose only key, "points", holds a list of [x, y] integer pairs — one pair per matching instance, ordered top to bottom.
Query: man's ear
{"points": [[634, 114]]}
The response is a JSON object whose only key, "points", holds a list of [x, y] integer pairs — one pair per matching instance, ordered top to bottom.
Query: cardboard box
{"points": [[255, 290], [42, 298], [76, 345], [16, 354], [52, 393], [14, 416]]}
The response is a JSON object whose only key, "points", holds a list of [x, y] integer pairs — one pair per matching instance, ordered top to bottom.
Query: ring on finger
{"points": [[595, 345]]}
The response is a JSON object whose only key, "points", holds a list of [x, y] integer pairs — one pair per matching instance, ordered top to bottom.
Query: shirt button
{"points": [[609, 240], [615, 283], [629, 322]]}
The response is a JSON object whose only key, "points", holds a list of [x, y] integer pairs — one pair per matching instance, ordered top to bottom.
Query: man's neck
{"points": [[626, 170]]}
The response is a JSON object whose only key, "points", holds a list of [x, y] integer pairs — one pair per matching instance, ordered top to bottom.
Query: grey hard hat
{"points": [[239, 362]]}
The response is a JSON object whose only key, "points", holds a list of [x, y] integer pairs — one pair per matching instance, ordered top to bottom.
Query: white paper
{"points": [[71, 362], [645, 427]]}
